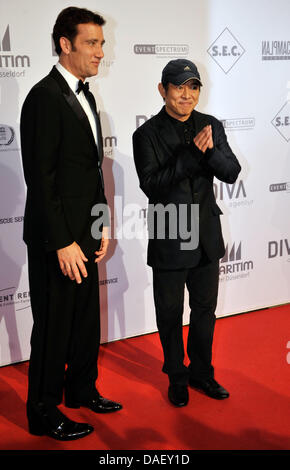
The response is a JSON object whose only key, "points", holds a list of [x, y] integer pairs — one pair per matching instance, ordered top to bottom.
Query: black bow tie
{"points": [[83, 86]]}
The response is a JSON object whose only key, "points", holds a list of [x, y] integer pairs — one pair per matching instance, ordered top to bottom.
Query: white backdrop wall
{"points": [[242, 50]]}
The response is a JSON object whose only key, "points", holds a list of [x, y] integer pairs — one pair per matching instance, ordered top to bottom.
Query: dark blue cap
{"points": [[179, 71]]}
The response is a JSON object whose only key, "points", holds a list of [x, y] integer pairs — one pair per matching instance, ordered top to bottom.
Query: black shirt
{"points": [[184, 129], [186, 133]]}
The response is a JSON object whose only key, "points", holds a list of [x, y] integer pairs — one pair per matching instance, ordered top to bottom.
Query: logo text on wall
{"points": [[162, 50], [226, 50], [275, 50], [9, 60], [282, 121], [238, 124], [7, 135], [109, 143], [277, 187], [234, 195], [279, 249], [232, 265], [10, 296]]}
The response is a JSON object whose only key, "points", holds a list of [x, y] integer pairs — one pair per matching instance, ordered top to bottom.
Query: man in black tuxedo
{"points": [[62, 154], [177, 154]]}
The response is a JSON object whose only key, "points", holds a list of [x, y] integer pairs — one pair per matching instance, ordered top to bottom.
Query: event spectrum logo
{"points": [[162, 50], [226, 50], [11, 61], [238, 124], [277, 187], [232, 265]]}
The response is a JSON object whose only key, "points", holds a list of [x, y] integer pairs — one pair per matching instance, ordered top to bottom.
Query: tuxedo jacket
{"points": [[62, 166], [171, 172]]}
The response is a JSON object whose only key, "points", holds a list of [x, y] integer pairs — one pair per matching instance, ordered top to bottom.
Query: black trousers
{"points": [[168, 288], [66, 330]]}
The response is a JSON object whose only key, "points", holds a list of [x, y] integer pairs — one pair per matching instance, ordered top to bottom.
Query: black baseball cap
{"points": [[179, 71]]}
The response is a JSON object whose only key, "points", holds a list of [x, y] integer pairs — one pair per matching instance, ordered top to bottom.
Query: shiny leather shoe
{"points": [[210, 387], [178, 394], [98, 404], [49, 421]]}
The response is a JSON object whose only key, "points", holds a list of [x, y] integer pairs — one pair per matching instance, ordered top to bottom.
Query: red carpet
{"points": [[250, 357]]}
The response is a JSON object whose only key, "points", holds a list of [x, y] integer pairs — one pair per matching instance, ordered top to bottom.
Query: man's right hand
{"points": [[71, 261]]}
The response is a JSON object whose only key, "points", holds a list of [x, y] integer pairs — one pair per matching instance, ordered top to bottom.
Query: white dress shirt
{"points": [[73, 84]]}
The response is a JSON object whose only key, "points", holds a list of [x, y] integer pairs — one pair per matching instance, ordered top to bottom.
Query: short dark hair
{"points": [[67, 22]]}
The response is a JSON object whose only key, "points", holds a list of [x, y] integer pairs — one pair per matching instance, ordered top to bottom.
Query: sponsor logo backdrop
{"points": [[244, 64]]}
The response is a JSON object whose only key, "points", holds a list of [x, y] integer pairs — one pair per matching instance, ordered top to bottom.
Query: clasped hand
{"points": [[203, 140]]}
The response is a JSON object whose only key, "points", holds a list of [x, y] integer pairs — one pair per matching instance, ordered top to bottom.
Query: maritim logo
{"points": [[162, 50], [226, 50], [9, 60], [232, 265]]}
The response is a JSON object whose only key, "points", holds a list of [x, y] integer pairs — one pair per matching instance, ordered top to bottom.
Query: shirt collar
{"points": [[72, 81], [178, 123]]}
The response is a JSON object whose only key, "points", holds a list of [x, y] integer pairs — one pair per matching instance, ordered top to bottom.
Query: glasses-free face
{"points": [[85, 54], [180, 100]]}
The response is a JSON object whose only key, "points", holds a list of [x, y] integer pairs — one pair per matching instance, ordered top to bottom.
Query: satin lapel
{"points": [[71, 99], [92, 102], [79, 112], [99, 130]]}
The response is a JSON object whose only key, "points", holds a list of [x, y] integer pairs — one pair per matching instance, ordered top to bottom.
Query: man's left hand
{"points": [[203, 140], [104, 245]]}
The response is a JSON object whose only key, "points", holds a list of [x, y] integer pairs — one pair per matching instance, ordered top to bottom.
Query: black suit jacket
{"points": [[62, 166], [171, 172]]}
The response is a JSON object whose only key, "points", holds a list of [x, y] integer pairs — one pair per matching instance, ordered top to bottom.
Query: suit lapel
{"points": [[73, 102], [92, 103], [200, 121], [167, 133], [100, 138]]}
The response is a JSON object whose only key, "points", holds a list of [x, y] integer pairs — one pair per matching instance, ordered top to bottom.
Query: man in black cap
{"points": [[177, 154]]}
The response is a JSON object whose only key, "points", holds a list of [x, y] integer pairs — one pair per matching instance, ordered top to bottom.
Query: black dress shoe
{"points": [[210, 387], [178, 394], [97, 403], [50, 421]]}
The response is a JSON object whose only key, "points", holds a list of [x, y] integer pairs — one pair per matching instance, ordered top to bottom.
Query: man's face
{"points": [[86, 52], [180, 100]]}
